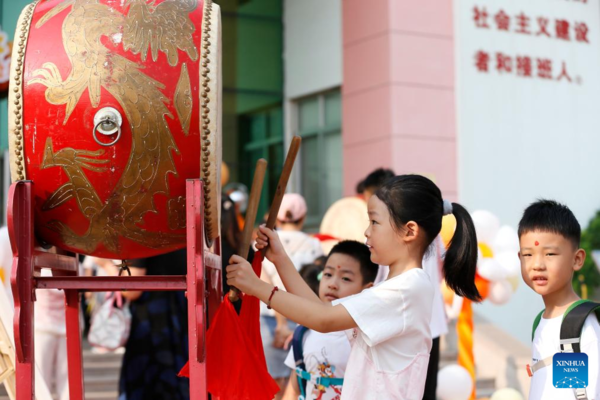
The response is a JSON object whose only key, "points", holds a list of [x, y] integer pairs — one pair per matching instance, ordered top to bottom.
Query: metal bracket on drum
{"points": [[107, 121]]}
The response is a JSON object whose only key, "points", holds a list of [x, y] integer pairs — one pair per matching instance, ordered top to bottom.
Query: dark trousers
{"points": [[432, 370]]}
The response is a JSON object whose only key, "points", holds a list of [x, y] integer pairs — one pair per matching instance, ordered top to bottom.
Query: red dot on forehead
{"points": [[537, 243], [339, 267]]}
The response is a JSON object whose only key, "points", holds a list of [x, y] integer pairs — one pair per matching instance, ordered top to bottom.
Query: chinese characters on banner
{"points": [[520, 23], [527, 89]]}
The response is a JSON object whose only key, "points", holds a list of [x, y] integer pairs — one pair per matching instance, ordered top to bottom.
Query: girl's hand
{"points": [[267, 238], [241, 275]]}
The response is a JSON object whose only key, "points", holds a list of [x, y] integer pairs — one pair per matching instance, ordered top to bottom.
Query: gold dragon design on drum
{"points": [[146, 28]]}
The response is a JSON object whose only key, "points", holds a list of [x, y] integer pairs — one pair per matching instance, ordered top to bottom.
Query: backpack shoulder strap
{"points": [[536, 322], [572, 324], [297, 346]]}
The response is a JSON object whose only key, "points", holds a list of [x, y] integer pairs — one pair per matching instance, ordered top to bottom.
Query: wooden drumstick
{"points": [[283, 180], [251, 210]]}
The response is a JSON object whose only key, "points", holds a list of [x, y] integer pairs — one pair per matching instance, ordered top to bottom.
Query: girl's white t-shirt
{"points": [[392, 342], [546, 343], [325, 355]]}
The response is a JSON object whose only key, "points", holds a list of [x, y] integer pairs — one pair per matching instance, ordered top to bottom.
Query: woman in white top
{"points": [[388, 325]]}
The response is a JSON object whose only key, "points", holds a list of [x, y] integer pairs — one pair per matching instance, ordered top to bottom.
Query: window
{"points": [[319, 124], [263, 138]]}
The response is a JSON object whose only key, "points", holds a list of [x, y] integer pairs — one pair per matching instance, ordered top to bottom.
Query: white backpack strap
{"points": [[566, 345], [538, 365], [580, 394]]}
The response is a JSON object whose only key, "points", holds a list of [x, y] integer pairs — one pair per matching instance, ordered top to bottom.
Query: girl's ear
{"points": [[411, 232]]}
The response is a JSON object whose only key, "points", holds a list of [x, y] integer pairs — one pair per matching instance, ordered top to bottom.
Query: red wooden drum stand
{"points": [[202, 284]]}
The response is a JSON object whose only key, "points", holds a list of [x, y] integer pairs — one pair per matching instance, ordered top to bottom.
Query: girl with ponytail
{"points": [[388, 324]]}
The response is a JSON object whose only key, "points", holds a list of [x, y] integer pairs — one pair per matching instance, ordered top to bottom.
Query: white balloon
{"points": [[486, 226], [506, 239], [509, 260], [490, 269], [500, 292], [454, 383], [507, 394]]}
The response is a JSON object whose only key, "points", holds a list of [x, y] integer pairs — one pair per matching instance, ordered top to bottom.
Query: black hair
{"points": [[377, 178], [360, 187], [416, 198], [551, 216], [230, 230], [360, 252], [321, 260], [310, 274]]}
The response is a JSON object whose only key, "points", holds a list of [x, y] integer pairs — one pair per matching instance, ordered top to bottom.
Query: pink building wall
{"points": [[398, 90]]}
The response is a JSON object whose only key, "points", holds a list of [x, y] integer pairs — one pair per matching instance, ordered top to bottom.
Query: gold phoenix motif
{"points": [[165, 27], [183, 99]]}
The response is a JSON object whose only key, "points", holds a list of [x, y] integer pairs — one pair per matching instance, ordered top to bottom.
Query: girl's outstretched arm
{"points": [[269, 240], [317, 316]]}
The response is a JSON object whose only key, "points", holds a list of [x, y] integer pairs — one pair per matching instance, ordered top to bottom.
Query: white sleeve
{"points": [[270, 269], [371, 310], [589, 345], [289, 360]]}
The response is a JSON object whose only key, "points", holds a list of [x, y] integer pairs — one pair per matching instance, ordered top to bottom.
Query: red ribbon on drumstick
{"points": [[236, 366]]}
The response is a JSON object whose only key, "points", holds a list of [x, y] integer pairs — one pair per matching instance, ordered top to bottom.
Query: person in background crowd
{"points": [[375, 180], [360, 189], [231, 235], [312, 273], [50, 335], [157, 348]]}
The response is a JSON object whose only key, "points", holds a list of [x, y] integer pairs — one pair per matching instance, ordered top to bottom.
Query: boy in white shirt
{"points": [[549, 236], [348, 270]]}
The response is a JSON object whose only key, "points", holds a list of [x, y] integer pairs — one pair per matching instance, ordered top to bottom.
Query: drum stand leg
{"points": [[20, 228], [203, 286], [196, 291], [204, 293], [74, 352]]}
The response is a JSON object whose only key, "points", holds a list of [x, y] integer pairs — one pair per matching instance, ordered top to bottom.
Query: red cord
{"points": [[275, 288]]}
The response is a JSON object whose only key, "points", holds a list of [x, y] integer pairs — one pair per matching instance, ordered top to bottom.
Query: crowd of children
{"points": [[363, 322], [358, 339]]}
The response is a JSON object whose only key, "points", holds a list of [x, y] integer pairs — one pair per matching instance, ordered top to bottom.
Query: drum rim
{"points": [[211, 105], [16, 143]]}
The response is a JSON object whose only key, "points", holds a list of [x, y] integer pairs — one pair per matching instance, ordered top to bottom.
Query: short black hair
{"points": [[377, 178], [360, 187], [551, 216], [360, 252], [310, 273]]}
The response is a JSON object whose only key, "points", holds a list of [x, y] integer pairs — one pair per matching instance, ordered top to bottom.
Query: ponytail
{"points": [[416, 198], [460, 263]]}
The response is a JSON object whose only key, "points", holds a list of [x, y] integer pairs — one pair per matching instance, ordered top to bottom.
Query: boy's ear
{"points": [[579, 259], [368, 285]]}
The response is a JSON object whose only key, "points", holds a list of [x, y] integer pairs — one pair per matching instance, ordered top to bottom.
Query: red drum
{"points": [[114, 104]]}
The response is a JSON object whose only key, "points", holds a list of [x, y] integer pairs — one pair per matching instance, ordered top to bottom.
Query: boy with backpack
{"points": [[549, 237], [318, 360]]}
